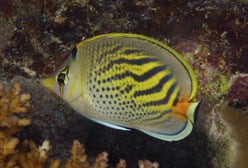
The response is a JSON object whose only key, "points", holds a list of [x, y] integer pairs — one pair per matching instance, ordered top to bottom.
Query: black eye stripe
{"points": [[74, 52], [62, 76], [60, 80]]}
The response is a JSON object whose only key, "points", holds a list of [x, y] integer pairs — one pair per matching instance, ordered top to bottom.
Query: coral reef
{"points": [[37, 36], [238, 93]]}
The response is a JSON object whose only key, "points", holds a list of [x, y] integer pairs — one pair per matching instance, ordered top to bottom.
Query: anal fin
{"points": [[110, 125]]}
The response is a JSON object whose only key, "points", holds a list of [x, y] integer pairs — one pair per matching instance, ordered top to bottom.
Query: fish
{"points": [[129, 81]]}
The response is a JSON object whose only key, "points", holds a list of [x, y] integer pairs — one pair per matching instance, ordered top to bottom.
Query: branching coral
{"points": [[12, 103], [7, 147], [31, 156], [79, 158], [101, 160], [122, 164], [147, 164]]}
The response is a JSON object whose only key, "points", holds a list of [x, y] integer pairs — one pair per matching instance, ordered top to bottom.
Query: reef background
{"points": [[37, 36]]}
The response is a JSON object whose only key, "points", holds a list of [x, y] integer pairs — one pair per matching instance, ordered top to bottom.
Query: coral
{"points": [[5, 31], [38, 35], [213, 84], [238, 93], [12, 103], [7, 147], [31, 156], [78, 157], [101, 160], [54, 163], [122, 164], [147, 164]]}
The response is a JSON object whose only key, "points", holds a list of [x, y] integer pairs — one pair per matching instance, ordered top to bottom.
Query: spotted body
{"points": [[129, 81]]}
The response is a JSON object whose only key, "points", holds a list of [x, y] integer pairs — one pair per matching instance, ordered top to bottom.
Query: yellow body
{"points": [[129, 81]]}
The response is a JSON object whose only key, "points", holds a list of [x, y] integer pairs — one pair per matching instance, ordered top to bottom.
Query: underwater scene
{"points": [[123, 84]]}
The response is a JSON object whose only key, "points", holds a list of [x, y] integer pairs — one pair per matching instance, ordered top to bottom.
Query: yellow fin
{"points": [[183, 118]]}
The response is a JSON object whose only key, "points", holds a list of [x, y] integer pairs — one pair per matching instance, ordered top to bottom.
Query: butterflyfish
{"points": [[129, 81]]}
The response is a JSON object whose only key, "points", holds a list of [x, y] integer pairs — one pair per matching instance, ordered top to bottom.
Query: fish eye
{"points": [[63, 79]]}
